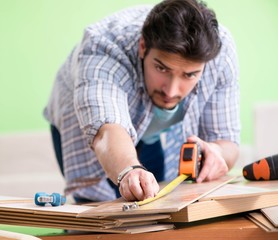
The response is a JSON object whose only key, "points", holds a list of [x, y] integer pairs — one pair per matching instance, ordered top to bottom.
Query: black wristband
{"points": [[126, 171]]}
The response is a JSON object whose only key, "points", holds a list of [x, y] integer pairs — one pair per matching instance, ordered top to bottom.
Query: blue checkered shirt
{"points": [[102, 82]]}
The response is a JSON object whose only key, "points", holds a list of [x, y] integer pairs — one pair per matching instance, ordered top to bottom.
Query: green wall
{"points": [[37, 35]]}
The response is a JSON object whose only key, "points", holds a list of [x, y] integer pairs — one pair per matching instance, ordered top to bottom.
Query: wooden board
{"points": [[242, 190], [185, 194], [239, 196], [188, 202], [216, 208], [64, 210], [271, 213], [65, 217], [108, 217], [260, 220], [104, 223], [87, 228], [229, 228]]}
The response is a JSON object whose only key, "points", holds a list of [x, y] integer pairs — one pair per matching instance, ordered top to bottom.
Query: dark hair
{"points": [[184, 27]]}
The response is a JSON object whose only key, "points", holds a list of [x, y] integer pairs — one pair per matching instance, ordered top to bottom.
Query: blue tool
{"points": [[55, 199]]}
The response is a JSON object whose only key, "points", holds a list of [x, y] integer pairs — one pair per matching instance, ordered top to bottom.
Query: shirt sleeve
{"points": [[101, 87], [220, 118]]}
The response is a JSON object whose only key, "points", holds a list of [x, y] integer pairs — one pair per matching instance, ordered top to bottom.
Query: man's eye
{"points": [[160, 69], [190, 75]]}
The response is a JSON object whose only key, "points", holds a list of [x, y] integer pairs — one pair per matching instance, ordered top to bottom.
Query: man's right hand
{"points": [[115, 151], [138, 184]]}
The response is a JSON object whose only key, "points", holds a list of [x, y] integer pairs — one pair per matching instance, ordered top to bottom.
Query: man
{"points": [[135, 75]]}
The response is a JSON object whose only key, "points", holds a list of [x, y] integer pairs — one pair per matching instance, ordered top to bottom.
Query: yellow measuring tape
{"points": [[164, 191]]}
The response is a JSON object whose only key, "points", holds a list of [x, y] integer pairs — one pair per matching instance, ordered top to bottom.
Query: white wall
{"points": [[28, 165]]}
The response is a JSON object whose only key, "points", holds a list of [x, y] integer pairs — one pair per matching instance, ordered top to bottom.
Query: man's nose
{"points": [[170, 88]]}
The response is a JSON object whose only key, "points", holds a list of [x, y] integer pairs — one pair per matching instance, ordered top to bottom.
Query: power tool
{"points": [[189, 167], [263, 169], [55, 199]]}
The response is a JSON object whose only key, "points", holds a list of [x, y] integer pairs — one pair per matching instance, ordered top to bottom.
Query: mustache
{"points": [[163, 94]]}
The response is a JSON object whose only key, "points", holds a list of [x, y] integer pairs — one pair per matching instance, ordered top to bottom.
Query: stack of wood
{"points": [[187, 203], [24, 212]]}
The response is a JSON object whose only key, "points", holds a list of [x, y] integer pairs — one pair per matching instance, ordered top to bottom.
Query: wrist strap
{"points": [[126, 171]]}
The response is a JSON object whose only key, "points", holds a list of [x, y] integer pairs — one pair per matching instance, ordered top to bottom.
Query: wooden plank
{"points": [[235, 191], [185, 194], [239, 196], [182, 204], [216, 208], [65, 210], [34, 214], [272, 214], [65, 217], [30, 219], [260, 220], [98, 222], [104, 223], [86, 228], [228, 228]]}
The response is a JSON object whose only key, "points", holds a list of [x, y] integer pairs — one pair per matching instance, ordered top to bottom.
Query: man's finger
{"points": [[148, 186], [135, 188], [125, 191]]}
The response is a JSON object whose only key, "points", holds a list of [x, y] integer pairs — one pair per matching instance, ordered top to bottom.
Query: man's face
{"points": [[169, 78]]}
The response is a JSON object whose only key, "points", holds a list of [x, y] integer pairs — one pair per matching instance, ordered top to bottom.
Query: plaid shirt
{"points": [[102, 82]]}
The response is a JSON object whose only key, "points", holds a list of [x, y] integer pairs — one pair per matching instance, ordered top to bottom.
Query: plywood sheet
{"points": [[243, 188], [185, 194], [238, 196], [215, 208], [65, 210], [272, 214], [65, 217], [259, 219]]}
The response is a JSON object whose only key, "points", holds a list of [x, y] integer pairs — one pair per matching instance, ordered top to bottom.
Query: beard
{"points": [[160, 99]]}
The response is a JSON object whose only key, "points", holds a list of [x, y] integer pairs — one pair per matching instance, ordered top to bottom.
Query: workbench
{"points": [[228, 228]]}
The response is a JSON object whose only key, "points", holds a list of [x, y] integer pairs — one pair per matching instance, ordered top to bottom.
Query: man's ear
{"points": [[142, 48]]}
